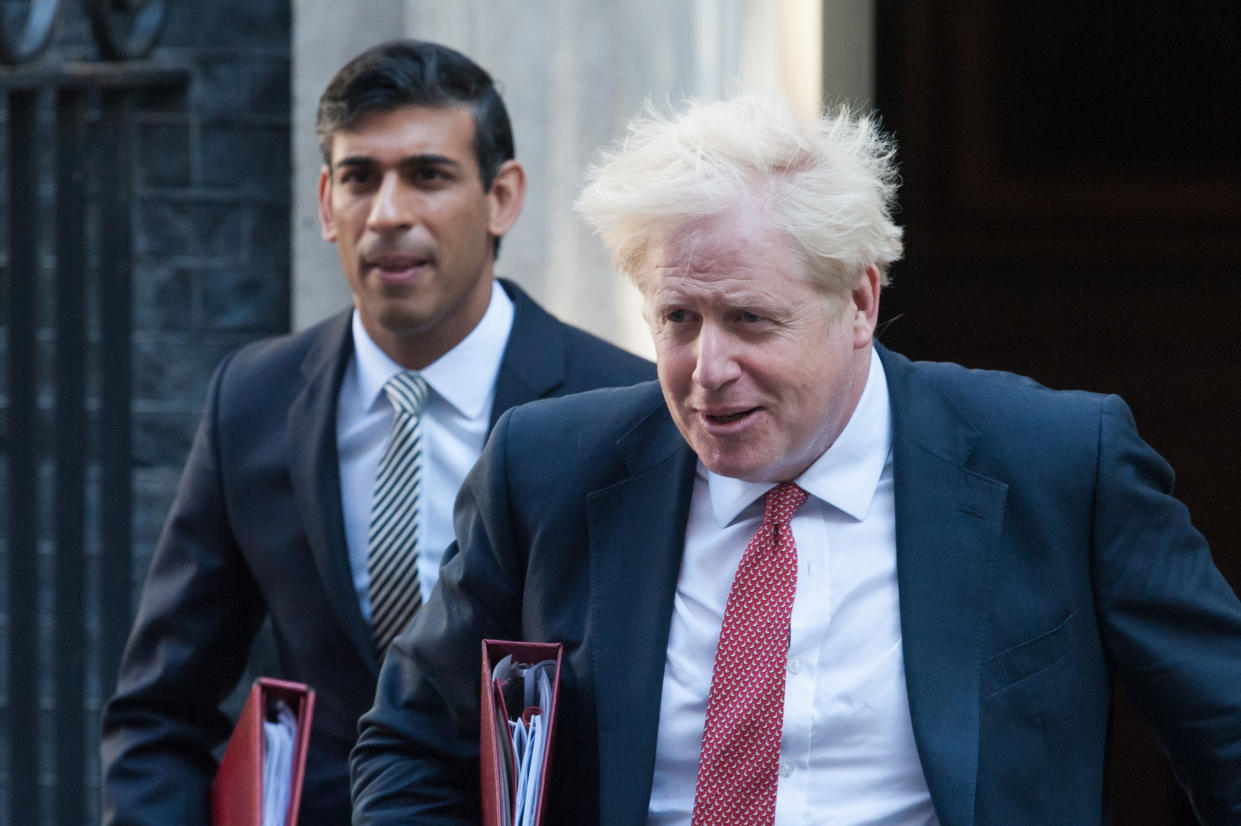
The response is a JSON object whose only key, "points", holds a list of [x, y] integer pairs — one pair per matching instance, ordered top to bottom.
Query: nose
{"points": [[391, 209], [716, 363]]}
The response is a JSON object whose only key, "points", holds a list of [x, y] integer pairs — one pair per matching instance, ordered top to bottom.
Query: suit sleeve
{"points": [[197, 616], [1171, 622], [416, 758]]}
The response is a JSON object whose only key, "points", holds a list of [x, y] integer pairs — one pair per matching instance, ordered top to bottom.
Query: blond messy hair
{"points": [[829, 183]]}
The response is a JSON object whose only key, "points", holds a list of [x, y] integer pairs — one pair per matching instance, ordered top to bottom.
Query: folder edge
{"points": [[526, 652], [242, 762]]}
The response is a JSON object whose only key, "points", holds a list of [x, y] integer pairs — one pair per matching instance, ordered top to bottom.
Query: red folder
{"points": [[496, 762], [237, 791]]}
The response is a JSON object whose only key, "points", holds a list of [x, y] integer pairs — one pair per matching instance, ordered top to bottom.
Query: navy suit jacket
{"points": [[257, 530], [1040, 555]]}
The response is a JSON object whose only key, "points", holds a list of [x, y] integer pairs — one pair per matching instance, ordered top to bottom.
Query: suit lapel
{"points": [[536, 365], [527, 372], [316, 477], [947, 521], [637, 532]]}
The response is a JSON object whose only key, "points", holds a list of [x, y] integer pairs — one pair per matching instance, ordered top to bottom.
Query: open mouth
{"points": [[729, 418]]}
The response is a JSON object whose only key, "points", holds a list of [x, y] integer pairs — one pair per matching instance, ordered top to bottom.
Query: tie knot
{"points": [[408, 392], [782, 502]]}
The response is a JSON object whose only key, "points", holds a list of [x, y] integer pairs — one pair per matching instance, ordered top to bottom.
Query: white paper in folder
{"points": [[528, 688], [279, 733]]}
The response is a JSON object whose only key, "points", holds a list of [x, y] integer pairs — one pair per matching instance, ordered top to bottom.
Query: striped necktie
{"points": [[393, 538]]}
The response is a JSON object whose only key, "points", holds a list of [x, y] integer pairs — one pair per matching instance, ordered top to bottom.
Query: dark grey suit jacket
{"points": [[256, 530], [1040, 556]]}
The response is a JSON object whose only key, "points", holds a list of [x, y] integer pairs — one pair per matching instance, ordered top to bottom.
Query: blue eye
{"points": [[675, 316], [751, 318]]}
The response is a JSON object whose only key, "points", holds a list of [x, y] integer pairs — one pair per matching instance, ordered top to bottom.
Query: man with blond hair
{"points": [[802, 579]]}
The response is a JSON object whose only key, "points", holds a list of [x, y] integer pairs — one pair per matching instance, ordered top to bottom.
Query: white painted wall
{"points": [[573, 72]]}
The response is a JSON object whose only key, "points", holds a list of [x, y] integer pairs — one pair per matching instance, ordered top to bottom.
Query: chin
{"points": [[405, 320], [734, 469], [753, 470]]}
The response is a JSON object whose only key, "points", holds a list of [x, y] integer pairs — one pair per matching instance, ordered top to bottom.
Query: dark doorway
{"points": [[1072, 199]]}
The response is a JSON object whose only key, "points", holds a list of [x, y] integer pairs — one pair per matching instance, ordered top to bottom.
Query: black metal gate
{"points": [[66, 458]]}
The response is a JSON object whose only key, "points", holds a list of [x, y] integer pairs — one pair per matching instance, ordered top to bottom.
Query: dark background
{"points": [[208, 185], [1072, 204]]}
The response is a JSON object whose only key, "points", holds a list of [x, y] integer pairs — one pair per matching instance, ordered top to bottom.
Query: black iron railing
{"points": [[68, 173]]}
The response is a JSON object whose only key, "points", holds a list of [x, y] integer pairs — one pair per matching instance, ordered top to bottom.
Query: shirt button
{"points": [[794, 665], [786, 768]]}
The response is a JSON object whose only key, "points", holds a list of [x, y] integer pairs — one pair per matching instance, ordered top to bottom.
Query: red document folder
{"points": [[495, 747], [237, 791]]}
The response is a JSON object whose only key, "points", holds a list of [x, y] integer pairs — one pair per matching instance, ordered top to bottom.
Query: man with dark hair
{"points": [[418, 74], [320, 485]]}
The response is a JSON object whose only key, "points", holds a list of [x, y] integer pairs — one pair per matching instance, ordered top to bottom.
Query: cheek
{"points": [[472, 213], [348, 220], [666, 367], [674, 367], [800, 376]]}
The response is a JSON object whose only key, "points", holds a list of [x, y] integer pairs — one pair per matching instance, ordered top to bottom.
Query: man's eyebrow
{"points": [[427, 159], [354, 160], [430, 160]]}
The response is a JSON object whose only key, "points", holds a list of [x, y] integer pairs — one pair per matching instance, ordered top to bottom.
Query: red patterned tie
{"points": [[737, 770]]}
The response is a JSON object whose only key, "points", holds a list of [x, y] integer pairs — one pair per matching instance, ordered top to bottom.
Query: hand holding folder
{"points": [[520, 690], [259, 782]]}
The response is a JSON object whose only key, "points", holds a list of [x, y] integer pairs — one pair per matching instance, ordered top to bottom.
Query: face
{"points": [[404, 203], [759, 369]]}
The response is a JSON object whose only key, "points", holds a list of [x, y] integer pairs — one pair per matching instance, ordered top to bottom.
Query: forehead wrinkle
{"points": [[727, 233], [702, 251], [720, 289]]}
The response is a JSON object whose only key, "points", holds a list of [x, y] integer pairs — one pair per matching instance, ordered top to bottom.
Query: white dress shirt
{"points": [[454, 428], [847, 753]]}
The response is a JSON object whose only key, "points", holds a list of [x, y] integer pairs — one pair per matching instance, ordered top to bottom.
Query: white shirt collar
{"points": [[464, 376], [847, 473]]}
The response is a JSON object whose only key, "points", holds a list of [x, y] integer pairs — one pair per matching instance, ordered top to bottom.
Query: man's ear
{"points": [[505, 198], [327, 221], [865, 306]]}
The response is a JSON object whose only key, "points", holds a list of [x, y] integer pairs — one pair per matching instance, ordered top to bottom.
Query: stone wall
{"points": [[211, 220]]}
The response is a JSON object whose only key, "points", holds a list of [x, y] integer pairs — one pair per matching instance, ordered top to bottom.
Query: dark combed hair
{"points": [[416, 73]]}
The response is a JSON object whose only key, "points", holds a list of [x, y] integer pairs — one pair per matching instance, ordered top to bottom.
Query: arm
{"points": [[198, 613], [1171, 622], [416, 759]]}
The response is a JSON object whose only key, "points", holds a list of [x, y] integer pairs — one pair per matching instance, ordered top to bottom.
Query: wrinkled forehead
{"points": [[717, 243], [735, 244], [736, 255], [696, 258]]}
